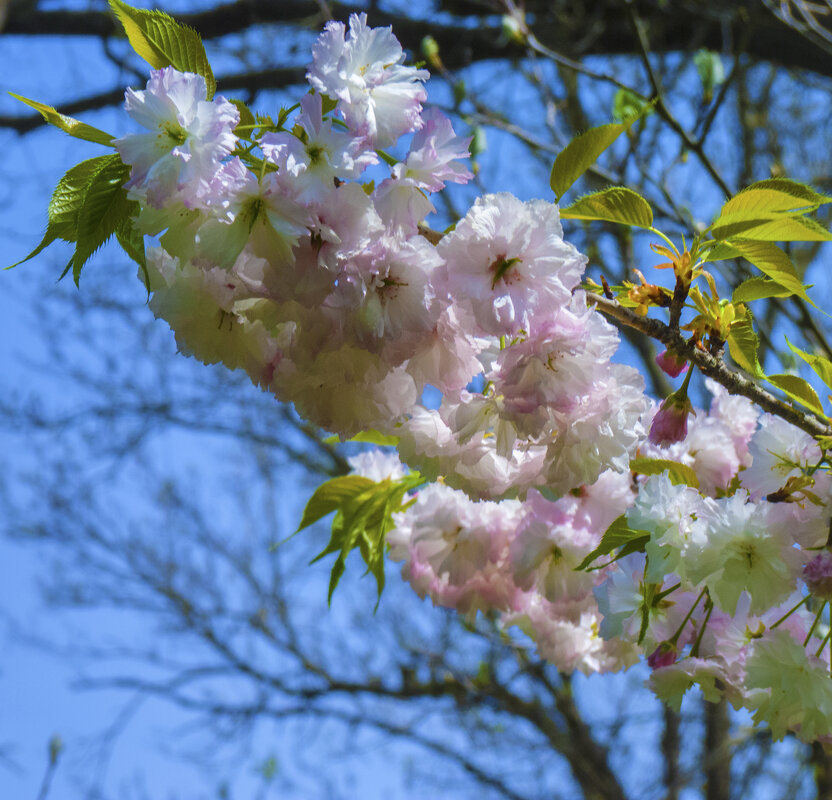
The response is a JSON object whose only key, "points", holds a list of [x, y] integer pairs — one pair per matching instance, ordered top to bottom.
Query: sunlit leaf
{"points": [[162, 41], [627, 105], [74, 127], [581, 153], [773, 196], [616, 204], [787, 228], [773, 262], [758, 288], [743, 344], [821, 365], [799, 391], [679, 474], [332, 495], [363, 516], [618, 535]]}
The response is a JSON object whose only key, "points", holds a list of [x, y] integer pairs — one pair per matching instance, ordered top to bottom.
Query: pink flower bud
{"points": [[671, 364], [670, 425], [817, 575], [663, 656]]}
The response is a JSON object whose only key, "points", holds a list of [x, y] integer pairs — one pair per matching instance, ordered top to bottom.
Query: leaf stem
{"points": [[790, 612], [814, 623]]}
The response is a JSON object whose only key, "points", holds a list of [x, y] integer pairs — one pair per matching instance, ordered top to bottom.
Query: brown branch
{"points": [[671, 26], [711, 366], [717, 756]]}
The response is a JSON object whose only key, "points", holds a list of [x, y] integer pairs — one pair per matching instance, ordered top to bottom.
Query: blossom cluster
{"points": [[297, 251], [730, 582]]}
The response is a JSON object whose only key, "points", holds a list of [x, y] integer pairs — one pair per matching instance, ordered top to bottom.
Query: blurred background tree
{"points": [[152, 497]]}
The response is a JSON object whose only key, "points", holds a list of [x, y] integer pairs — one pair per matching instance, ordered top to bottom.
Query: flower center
{"points": [[501, 268]]}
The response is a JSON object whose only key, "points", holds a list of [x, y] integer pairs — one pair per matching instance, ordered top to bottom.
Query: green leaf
{"points": [[162, 41], [711, 71], [627, 105], [247, 119], [74, 127], [581, 153], [771, 196], [616, 204], [65, 205], [104, 209], [787, 228], [132, 242], [719, 251], [774, 262], [758, 288], [743, 344], [822, 366], [799, 391], [371, 436], [376, 437], [679, 474], [332, 495], [364, 515], [618, 535], [648, 594]]}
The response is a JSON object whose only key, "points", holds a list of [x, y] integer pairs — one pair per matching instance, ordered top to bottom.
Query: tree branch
{"points": [[711, 366]]}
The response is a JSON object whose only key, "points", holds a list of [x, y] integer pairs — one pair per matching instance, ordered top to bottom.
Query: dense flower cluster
{"points": [[278, 256]]}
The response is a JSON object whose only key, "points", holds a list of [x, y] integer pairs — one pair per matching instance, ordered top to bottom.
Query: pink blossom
{"points": [[378, 97], [187, 136], [433, 153], [311, 164], [508, 264]]}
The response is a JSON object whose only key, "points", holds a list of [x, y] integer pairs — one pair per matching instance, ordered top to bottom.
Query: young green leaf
{"points": [[162, 41], [711, 71], [627, 105], [74, 127], [245, 127], [581, 153], [772, 196], [616, 204], [65, 205], [104, 209], [785, 228], [718, 251], [773, 262], [758, 288], [743, 344], [822, 366], [799, 391], [371, 436], [679, 474], [332, 495], [363, 516], [618, 535], [648, 594]]}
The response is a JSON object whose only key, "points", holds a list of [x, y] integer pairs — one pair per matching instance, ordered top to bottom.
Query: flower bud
{"points": [[671, 364], [670, 425], [817, 575], [663, 656]]}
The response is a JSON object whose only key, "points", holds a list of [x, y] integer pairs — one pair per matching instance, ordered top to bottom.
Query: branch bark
{"points": [[711, 366]]}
